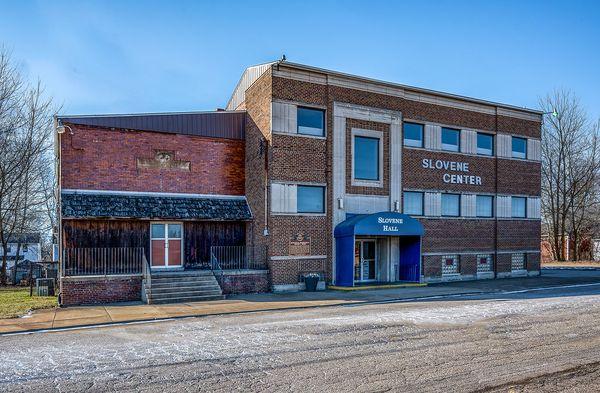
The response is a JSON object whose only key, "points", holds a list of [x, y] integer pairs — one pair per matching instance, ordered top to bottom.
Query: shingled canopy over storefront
{"points": [[89, 205]]}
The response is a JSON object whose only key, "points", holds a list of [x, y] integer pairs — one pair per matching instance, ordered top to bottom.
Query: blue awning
{"points": [[380, 224], [407, 228]]}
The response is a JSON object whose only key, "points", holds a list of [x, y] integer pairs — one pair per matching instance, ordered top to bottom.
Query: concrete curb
{"points": [[354, 304]]}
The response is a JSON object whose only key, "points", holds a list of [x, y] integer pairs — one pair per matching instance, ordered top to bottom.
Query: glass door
{"points": [[166, 244], [365, 258]]}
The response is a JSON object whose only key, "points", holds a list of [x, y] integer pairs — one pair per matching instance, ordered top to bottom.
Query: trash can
{"points": [[311, 281]]}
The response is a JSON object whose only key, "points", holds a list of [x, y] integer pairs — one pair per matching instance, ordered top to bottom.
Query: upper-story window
{"points": [[311, 121], [413, 134], [450, 139], [485, 144], [519, 147], [366, 158], [311, 199], [413, 203], [451, 205], [484, 206], [519, 207]]}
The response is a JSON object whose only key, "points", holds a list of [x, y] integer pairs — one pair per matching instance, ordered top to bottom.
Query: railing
{"points": [[238, 257], [103, 261], [146, 278]]}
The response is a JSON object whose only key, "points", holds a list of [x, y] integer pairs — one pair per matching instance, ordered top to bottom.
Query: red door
{"points": [[166, 239]]}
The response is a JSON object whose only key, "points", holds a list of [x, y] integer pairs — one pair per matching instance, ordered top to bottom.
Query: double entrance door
{"points": [[166, 239], [365, 260]]}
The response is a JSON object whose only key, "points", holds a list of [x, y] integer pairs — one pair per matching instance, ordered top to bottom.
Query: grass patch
{"points": [[15, 301]]}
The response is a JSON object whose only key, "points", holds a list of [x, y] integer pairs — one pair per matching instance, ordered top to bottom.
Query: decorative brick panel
{"points": [[288, 151], [96, 158], [519, 234], [99, 290]]}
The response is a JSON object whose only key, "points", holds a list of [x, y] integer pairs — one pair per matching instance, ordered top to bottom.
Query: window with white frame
{"points": [[311, 121], [413, 134], [450, 139], [485, 144], [519, 147], [413, 203], [451, 205], [484, 206], [518, 207], [517, 261], [484, 263], [450, 264]]}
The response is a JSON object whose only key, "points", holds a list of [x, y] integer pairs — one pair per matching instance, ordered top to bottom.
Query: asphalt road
{"points": [[545, 340]]}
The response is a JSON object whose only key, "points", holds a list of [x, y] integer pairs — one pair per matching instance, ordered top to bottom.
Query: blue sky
{"points": [[153, 56]]}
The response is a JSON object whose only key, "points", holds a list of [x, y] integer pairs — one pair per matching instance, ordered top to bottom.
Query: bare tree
{"points": [[26, 123], [570, 170]]}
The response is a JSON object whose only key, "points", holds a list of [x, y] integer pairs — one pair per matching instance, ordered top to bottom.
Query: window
{"points": [[311, 121], [413, 134], [450, 139], [485, 144], [519, 147], [366, 158], [311, 199], [413, 203], [451, 205], [484, 206], [519, 207], [24, 247], [517, 261], [484, 263], [450, 264]]}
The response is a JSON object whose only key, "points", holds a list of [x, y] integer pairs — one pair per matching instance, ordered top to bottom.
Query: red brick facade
{"points": [[95, 158], [294, 158], [98, 290]]}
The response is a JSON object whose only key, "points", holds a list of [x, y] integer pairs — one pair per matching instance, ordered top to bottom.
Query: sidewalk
{"points": [[116, 313]]}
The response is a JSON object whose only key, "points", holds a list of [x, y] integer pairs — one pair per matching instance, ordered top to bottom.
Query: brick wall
{"points": [[96, 158], [294, 158], [236, 283], [98, 290]]}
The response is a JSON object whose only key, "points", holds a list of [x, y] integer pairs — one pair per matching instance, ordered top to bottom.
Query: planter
{"points": [[311, 283]]}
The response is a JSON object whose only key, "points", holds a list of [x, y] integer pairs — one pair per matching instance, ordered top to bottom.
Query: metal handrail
{"points": [[239, 257], [103, 261]]}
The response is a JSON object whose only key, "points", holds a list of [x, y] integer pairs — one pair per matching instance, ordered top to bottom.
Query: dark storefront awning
{"points": [[147, 206], [378, 224]]}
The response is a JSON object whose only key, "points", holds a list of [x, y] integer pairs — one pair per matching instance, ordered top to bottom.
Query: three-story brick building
{"points": [[359, 180]]}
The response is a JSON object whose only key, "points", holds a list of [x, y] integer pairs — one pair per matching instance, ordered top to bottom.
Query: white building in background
{"points": [[31, 248]]}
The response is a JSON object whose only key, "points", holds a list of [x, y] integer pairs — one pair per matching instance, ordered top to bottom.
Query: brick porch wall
{"points": [[240, 282], [98, 290]]}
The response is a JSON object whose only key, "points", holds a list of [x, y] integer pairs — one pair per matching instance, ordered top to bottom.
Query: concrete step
{"points": [[201, 279], [183, 286], [162, 290], [192, 293], [185, 299]]}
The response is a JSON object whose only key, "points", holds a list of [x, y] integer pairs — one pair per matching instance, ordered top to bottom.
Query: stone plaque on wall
{"points": [[163, 160], [300, 244]]}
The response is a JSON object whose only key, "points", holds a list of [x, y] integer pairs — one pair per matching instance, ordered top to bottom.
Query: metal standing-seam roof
{"points": [[217, 124]]}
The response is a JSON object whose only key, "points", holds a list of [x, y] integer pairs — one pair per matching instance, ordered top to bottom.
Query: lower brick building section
{"points": [[485, 265], [243, 281], [98, 290]]}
